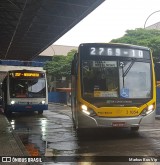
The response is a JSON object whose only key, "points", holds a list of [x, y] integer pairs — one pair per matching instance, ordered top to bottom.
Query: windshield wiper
{"points": [[129, 67], [127, 70]]}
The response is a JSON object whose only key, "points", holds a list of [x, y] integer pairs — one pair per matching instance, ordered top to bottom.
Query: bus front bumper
{"points": [[23, 108], [85, 121]]}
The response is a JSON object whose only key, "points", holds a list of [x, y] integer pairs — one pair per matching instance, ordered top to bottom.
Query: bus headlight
{"points": [[12, 102], [43, 102], [84, 107], [87, 110], [148, 110]]}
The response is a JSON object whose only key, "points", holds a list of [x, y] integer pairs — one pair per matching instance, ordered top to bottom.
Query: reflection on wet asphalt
{"points": [[53, 134]]}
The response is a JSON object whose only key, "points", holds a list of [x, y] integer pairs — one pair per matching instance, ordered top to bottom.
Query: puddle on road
{"points": [[49, 136], [50, 145]]}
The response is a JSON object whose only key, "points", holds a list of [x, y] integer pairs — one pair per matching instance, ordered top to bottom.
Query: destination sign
{"points": [[119, 52], [106, 64], [26, 74]]}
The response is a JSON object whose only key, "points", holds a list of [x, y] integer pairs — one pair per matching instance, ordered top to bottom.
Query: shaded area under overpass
{"points": [[27, 27]]}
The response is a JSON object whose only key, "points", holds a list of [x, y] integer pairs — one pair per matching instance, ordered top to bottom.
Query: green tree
{"points": [[143, 37], [59, 67]]}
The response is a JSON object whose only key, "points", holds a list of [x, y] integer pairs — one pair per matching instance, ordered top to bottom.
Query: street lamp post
{"points": [[149, 17]]}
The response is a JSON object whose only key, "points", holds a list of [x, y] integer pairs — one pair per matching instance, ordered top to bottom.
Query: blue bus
{"points": [[24, 90]]}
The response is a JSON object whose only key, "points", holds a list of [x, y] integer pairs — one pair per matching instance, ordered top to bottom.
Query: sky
{"points": [[110, 20]]}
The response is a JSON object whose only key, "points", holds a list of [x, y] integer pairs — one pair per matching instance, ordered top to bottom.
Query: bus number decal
{"points": [[101, 50], [93, 51], [133, 51], [110, 52], [118, 52], [123, 52], [140, 53], [17, 74], [134, 112]]}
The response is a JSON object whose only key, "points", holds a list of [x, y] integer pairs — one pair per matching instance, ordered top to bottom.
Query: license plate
{"points": [[28, 107], [118, 124]]}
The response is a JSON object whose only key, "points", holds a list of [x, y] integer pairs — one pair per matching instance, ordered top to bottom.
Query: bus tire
{"points": [[40, 112], [134, 129]]}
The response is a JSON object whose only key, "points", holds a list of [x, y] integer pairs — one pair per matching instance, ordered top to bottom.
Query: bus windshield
{"points": [[116, 79], [27, 88]]}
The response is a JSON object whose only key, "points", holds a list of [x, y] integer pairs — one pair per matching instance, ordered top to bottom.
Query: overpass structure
{"points": [[27, 27]]}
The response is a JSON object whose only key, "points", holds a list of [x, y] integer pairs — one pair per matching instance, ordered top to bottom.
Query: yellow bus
{"points": [[113, 85]]}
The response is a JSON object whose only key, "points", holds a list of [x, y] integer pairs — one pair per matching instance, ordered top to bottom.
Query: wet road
{"points": [[53, 134]]}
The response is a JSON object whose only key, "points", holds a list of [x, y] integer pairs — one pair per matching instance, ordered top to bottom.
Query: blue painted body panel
{"points": [[23, 108]]}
